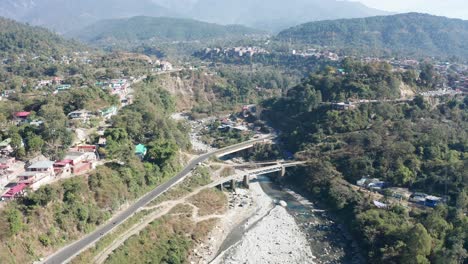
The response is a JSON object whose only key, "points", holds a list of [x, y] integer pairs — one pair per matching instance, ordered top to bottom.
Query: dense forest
{"points": [[138, 30], [409, 34], [20, 39], [420, 145]]}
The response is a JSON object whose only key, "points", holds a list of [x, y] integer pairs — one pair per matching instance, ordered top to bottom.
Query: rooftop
{"points": [[22, 114], [141, 149], [45, 164]]}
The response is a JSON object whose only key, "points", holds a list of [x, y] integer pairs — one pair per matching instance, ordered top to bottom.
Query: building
{"points": [[63, 87], [344, 106], [108, 112], [80, 115], [22, 116], [5, 147], [141, 150], [77, 161], [7, 162], [45, 166], [62, 168], [34, 179], [374, 184], [14, 192], [399, 193], [432, 201]]}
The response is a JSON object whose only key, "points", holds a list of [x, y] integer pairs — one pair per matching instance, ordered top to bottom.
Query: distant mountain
{"points": [[68, 15], [275, 15], [138, 30], [403, 34], [17, 38]]}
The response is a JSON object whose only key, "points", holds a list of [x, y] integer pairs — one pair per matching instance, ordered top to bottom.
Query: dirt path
{"points": [[164, 208]]}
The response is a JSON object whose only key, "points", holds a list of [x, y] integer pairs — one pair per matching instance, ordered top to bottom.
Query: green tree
{"points": [[161, 151], [15, 221], [418, 246]]}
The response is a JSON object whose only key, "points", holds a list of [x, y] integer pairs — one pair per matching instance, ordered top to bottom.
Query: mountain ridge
{"points": [[68, 15], [143, 28], [409, 34]]}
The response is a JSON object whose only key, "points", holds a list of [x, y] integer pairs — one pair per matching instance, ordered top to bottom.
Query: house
{"points": [[57, 80], [63, 87], [7, 93], [344, 106], [108, 112], [80, 115], [22, 116], [102, 142], [5, 147], [85, 148], [141, 150], [78, 157], [77, 161], [7, 162], [45, 166], [62, 168], [34, 179], [375, 184], [15, 192], [399, 193], [418, 198], [432, 201]]}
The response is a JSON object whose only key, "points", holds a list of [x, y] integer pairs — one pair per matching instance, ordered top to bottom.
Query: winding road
{"points": [[67, 253]]}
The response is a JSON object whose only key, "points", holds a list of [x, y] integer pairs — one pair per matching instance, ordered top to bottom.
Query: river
{"points": [[329, 241]]}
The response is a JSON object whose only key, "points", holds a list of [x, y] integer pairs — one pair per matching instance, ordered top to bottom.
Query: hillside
{"points": [[144, 29], [403, 34], [17, 38], [419, 145]]}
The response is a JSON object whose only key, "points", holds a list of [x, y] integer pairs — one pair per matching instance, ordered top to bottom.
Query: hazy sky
{"points": [[449, 8]]}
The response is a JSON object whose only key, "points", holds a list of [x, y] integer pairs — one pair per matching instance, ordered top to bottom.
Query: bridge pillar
{"points": [[282, 172], [246, 181], [233, 185], [221, 187]]}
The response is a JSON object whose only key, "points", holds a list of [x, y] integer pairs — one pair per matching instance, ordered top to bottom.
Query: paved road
{"points": [[67, 253]]}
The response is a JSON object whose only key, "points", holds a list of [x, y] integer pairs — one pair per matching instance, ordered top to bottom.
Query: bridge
{"points": [[243, 146], [280, 167], [246, 175], [65, 254]]}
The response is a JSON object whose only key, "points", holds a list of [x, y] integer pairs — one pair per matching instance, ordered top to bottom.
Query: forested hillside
{"points": [[139, 30], [404, 34], [17, 38], [420, 145]]}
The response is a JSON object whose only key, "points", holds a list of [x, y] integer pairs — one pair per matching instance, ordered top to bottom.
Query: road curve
{"points": [[67, 253]]}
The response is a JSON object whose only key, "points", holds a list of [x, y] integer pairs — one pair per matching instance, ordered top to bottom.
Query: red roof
{"points": [[22, 114], [91, 147], [63, 162], [15, 190]]}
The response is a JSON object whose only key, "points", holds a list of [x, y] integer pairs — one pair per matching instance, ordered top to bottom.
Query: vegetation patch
{"points": [[210, 201]]}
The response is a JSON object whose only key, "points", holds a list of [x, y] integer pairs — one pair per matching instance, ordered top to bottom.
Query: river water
{"points": [[329, 242]]}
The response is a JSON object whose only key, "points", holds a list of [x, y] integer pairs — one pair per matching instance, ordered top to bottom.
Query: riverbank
{"points": [[246, 233], [274, 239]]}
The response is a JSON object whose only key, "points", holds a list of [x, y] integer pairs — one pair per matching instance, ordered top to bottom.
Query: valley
{"points": [[159, 136]]}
